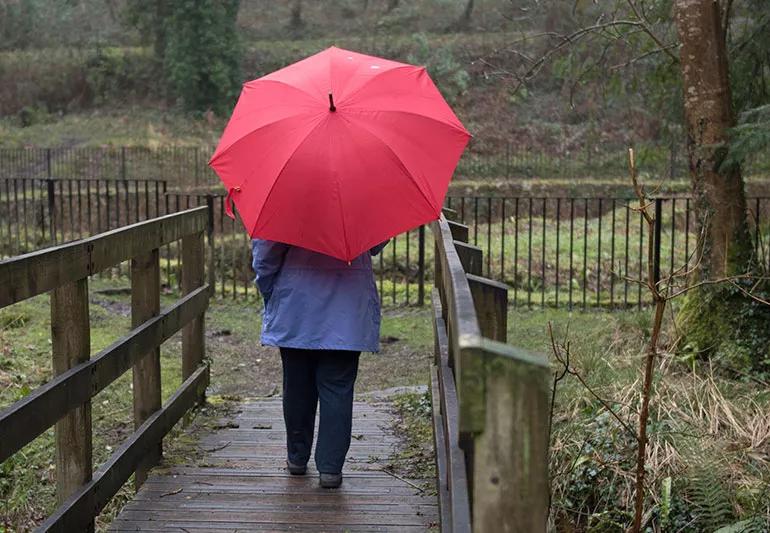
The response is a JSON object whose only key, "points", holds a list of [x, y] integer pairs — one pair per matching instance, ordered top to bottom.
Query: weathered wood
{"points": [[450, 214], [460, 232], [471, 257], [37, 272], [490, 299], [145, 305], [71, 345], [193, 345], [502, 399], [29, 417], [510, 482], [252, 493], [91, 498], [454, 505]]}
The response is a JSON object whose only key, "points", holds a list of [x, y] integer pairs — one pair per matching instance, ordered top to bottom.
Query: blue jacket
{"points": [[314, 301]]}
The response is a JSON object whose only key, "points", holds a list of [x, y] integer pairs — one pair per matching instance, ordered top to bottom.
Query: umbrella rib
{"points": [[370, 80], [280, 82], [459, 128], [246, 135], [401, 164], [278, 176]]}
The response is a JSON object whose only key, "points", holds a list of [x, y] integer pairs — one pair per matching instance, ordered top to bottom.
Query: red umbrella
{"points": [[339, 152]]}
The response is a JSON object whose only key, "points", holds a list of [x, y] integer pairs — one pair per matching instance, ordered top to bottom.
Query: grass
{"points": [[708, 423]]}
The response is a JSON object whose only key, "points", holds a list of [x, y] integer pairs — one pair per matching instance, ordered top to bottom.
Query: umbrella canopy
{"points": [[339, 152]]}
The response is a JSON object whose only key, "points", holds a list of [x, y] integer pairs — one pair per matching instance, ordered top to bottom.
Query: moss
{"points": [[721, 322]]}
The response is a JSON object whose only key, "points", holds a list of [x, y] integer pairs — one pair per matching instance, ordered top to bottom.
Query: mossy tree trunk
{"points": [[715, 316]]}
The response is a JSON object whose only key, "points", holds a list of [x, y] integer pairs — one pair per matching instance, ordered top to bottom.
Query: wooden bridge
{"points": [[490, 407]]}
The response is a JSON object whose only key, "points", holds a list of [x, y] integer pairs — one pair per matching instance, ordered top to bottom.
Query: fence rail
{"points": [[187, 166], [555, 251], [65, 401], [490, 403]]}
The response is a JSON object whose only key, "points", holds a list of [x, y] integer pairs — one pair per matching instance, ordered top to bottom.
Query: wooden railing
{"points": [[66, 400], [490, 400]]}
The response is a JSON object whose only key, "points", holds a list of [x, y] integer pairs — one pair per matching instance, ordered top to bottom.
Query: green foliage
{"points": [[749, 47], [202, 56], [448, 73], [750, 137], [711, 496]]}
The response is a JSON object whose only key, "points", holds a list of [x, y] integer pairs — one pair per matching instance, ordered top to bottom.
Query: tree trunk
{"points": [[392, 4], [465, 19], [296, 21], [719, 198]]}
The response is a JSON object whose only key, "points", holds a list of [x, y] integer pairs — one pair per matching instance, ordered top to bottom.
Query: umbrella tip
{"points": [[332, 107]]}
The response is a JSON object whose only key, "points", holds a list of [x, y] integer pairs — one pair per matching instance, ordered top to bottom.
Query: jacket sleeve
{"points": [[377, 249], [267, 260]]}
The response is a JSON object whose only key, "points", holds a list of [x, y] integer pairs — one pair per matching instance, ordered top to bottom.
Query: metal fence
{"points": [[187, 166], [35, 213], [573, 252], [587, 252]]}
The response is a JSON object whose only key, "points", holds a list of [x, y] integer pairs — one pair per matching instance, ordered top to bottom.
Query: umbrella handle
{"points": [[229, 201]]}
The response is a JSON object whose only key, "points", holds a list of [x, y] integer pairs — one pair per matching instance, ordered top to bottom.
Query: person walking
{"points": [[321, 313]]}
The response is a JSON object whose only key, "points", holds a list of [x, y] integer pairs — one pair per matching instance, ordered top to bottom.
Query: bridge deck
{"points": [[241, 483]]}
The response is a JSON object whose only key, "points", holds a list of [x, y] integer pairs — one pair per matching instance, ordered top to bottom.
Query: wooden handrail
{"points": [[65, 401], [500, 420]]}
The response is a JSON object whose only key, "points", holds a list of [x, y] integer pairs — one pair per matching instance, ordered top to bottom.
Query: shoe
{"points": [[296, 470], [330, 481]]}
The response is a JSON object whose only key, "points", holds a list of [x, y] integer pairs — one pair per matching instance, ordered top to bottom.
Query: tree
{"points": [[150, 18], [296, 22], [202, 54], [718, 189], [717, 318]]}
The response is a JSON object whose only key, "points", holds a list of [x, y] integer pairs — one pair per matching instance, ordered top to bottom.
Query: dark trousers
{"points": [[310, 376]]}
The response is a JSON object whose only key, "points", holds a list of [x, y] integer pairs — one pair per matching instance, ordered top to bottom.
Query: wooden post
{"points": [[459, 231], [210, 237], [471, 257], [490, 298], [145, 304], [71, 345], [193, 346], [510, 455]]}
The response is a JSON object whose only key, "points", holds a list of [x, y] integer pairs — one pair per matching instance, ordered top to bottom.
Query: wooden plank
{"points": [[450, 214], [458, 231], [471, 257], [37, 272], [490, 299], [145, 305], [71, 345], [193, 345], [27, 418], [439, 440], [91, 498], [243, 519], [181, 525]]}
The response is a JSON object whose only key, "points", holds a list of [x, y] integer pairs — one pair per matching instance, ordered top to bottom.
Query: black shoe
{"points": [[296, 470], [330, 481]]}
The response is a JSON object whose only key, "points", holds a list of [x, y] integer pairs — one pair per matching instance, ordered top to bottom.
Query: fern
{"points": [[711, 497], [752, 525]]}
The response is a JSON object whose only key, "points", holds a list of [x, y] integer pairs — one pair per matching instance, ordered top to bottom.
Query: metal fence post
{"points": [[123, 162], [51, 208], [656, 240], [421, 267]]}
